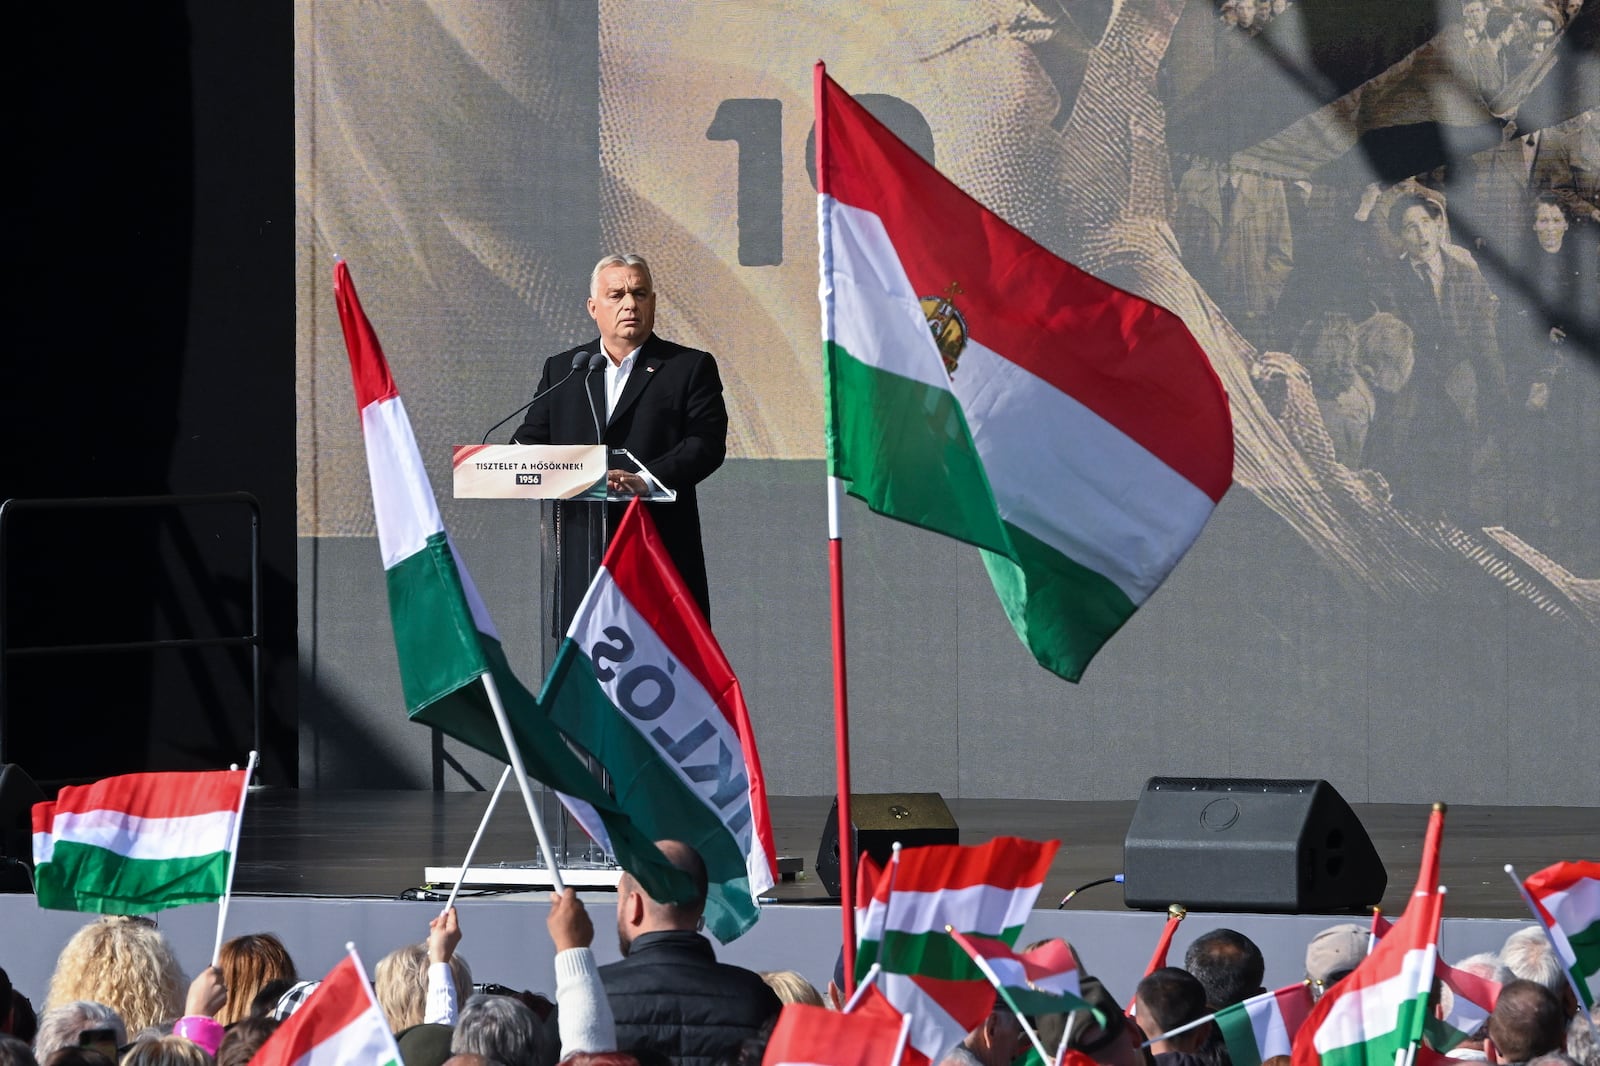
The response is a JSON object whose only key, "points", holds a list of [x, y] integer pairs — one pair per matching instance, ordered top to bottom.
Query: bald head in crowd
{"points": [[638, 913], [1527, 1022]]}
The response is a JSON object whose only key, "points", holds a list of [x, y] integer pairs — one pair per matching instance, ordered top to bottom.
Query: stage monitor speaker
{"points": [[18, 794], [881, 818], [1248, 844]]}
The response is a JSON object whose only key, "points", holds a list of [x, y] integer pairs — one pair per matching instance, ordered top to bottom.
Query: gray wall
{"points": [[1251, 661]]}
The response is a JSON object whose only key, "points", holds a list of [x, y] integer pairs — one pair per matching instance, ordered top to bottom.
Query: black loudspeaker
{"points": [[18, 794], [881, 818], [1247, 844]]}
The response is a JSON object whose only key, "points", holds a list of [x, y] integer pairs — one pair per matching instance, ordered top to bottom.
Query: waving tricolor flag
{"points": [[983, 388], [445, 641], [641, 684], [138, 843], [986, 890], [1566, 900], [1041, 981], [1467, 998], [1381, 1008], [339, 1024], [1264, 1026]]}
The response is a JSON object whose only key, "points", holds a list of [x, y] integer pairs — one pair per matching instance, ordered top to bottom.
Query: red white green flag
{"points": [[983, 388], [444, 638], [641, 684], [138, 843], [986, 890], [1566, 898], [1041, 981], [1468, 999], [1469, 1002], [927, 1005], [1383, 1005], [339, 1024], [1264, 1026], [815, 1036]]}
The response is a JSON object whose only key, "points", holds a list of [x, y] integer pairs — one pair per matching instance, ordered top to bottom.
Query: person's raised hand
{"points": [[569, 922], [444, 933], [207, 993]]}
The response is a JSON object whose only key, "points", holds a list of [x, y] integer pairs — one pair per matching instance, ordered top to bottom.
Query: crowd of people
{"points": [[1485, 404], [118, 998]]}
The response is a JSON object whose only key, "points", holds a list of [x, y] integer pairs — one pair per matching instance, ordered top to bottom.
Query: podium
{"points": [[567, 476]]}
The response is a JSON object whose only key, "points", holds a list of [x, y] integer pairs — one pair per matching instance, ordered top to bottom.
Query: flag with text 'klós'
{"points": [[983, 388], [444, 639], [641, 684], [137, 843]]}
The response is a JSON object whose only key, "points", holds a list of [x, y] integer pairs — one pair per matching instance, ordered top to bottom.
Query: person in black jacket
{"points": [[660, 401], [672, 1000]]}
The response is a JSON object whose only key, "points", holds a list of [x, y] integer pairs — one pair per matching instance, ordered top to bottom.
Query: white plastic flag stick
{"points": [[514, 757], [472, 849], [233, 858]]}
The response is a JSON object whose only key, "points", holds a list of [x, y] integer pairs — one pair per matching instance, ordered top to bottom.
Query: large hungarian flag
{"points": [[983, 388], [444, 638], [641, 684], [138, 843], [1566, 898], [339, 1024], [1264, 1026], [815, 1036]]}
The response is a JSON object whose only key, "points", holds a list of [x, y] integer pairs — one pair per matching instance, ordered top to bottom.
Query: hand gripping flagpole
{"points": [[841, 700], [514, 757], [472, 849], [233, 858]]}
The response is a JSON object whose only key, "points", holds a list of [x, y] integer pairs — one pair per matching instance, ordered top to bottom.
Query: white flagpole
{"points": [[514, 757], [472, 849], [233, 857], [866, 982], [1066, 1036], [905, 1038]]}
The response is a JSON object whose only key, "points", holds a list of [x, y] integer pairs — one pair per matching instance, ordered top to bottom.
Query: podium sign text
{"points": [[526, 471]]}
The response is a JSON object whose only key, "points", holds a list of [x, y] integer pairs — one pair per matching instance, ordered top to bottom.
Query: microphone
{"points": [[578, 360], [596, 362]]}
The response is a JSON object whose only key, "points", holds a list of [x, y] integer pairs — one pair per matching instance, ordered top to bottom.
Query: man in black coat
{"points": [[659, 400], [671, 998]]}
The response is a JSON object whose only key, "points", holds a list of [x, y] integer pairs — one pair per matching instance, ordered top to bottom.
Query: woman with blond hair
{"points": [[124, 963], [248, 963]]}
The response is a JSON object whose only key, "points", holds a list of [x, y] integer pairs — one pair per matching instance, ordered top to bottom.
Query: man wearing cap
{"points": [[1332, 954]]}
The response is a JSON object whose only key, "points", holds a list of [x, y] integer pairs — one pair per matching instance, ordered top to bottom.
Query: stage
{"points": [[320, 868]]}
